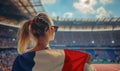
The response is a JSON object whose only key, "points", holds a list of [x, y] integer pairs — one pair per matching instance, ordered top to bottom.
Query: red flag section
{"points": [[74, 60]]}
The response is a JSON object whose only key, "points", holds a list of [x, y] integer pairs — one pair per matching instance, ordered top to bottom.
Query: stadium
{"points": [[99, 37]]}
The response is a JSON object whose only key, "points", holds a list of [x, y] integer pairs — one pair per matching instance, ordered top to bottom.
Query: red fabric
{"points": [[30, 22], [74, 60]]}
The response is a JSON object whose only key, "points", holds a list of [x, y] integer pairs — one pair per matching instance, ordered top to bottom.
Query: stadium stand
{"points": [[8, 36], [101, 38], [7, 57]]}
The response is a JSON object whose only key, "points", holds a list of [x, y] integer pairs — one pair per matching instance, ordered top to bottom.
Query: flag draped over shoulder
{"points": [[50, 60]]}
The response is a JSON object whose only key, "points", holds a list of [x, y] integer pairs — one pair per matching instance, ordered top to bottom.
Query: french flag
{"points": [[51, 60]]}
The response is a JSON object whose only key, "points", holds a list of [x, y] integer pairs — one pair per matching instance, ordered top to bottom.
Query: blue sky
{"points": [[82, 8]]}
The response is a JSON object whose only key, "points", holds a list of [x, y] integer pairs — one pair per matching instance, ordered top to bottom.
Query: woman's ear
{"points": [[48, 29]]}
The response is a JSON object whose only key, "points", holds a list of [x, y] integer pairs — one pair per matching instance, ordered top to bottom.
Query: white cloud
{"points": [[48, 1], [105, 1], [85, 6], [102, 13], [53, 14], [68, 15]]}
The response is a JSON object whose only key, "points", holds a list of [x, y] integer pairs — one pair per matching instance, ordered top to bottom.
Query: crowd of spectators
{"points": [[8, 37], [98, 38], [8, 42], [7, 57]]}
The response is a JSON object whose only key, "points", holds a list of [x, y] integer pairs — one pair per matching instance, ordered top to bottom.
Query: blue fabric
{"points": [[24, 62]]}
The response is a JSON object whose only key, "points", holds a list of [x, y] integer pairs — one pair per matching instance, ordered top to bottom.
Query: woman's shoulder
{"points": [[28, 56], [24, 61]]}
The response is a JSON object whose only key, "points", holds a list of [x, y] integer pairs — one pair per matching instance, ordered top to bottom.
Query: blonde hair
{"points": [[38, 27]]}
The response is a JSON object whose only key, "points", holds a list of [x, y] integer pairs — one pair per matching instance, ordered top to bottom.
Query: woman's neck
{"points": [[42, 44], [39, 47]]}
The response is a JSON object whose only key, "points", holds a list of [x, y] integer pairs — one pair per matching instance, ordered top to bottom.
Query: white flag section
{"points": [[51, 60]]}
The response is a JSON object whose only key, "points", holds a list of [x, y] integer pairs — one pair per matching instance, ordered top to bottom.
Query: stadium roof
{"points": [[14, 11], [87, 22]]}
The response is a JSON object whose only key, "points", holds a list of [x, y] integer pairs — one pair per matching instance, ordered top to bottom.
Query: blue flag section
{"points": [[24, 62]]}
